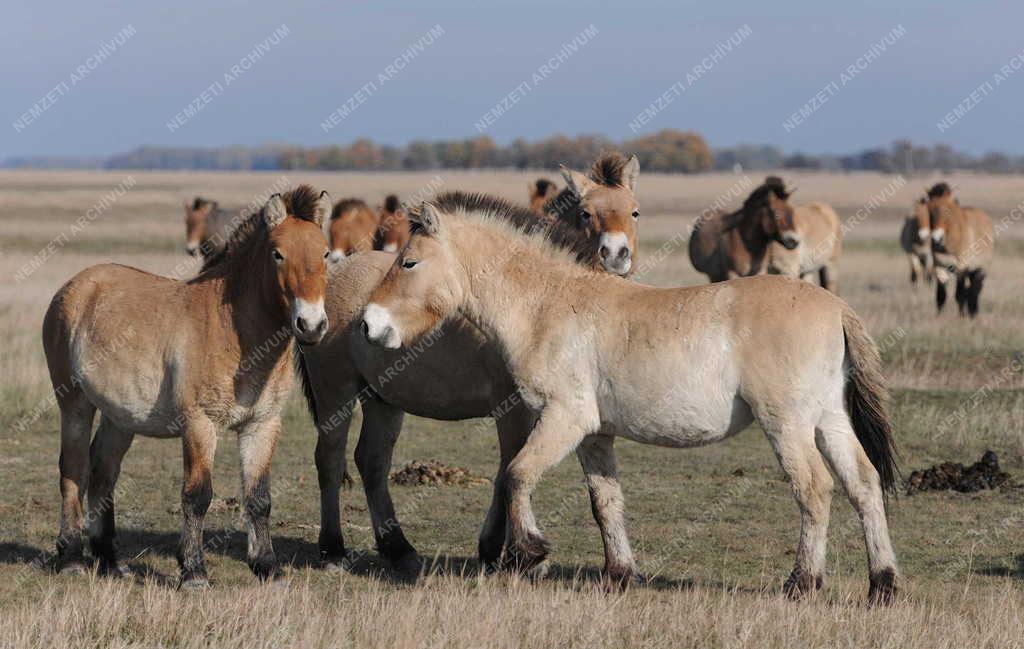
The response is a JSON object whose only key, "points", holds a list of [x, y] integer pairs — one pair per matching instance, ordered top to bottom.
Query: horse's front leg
{"points": [[558, 431], [199, 443], [256, 444], [597, 456]]}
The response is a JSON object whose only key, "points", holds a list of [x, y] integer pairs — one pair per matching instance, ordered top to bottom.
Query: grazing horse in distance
{"points": [[541, 191], [602, 208], [207, 227], [353, 228], [393, 232], [819, 238], [916, 241], [963, 243], [730, 245], [597, 357], [165, 358], [456, 375]]}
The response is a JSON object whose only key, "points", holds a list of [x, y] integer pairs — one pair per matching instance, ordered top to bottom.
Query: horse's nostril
{"points": [[604, 252], [624, 253], [300, 325], [366, 329]]}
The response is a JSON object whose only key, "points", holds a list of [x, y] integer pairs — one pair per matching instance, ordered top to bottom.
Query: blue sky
{"points": [[487, 50]]}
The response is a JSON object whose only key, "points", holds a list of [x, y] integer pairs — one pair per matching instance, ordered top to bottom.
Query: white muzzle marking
{"points": [[923, 234], [938, 234], [390, 247], [614, 252], [337, 255], [309, 320], [379, 327]]}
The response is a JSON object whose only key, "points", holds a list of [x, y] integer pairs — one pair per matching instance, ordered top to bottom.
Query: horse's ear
{"points": [[630, 173], [577, 183], [323, 208], [274, 212], [425, 220]]}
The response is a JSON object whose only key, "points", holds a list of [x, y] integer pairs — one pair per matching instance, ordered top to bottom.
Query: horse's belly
{"points": [[134, 401], [682, 422]]}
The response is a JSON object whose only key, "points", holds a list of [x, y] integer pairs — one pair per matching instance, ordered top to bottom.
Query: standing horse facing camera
{"points": [[353, 228], [393, 232], [916, 241], [963, 243], [726, 246], [597, 357], [165, 358], [455, 376]]}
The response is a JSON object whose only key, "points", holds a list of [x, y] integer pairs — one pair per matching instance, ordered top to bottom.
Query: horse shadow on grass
{"points": [[1015, 570]]}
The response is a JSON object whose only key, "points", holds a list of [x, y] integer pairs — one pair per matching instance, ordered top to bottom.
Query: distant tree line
{"points": [[669, 150]]}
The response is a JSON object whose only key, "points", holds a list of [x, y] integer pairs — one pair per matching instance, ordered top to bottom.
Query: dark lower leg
{"points": [[977, 281], [961, 293], [940, 295], [513, 428], [76, 429], [198, 446], [106, 454], [330, 470], [261, 557]]}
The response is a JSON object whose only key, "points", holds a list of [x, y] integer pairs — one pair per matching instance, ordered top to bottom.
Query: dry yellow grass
{"points": [[720, 559]]}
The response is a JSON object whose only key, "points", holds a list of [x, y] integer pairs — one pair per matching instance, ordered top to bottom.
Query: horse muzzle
{"points": [[789, 241], [614, 252], [309, 321], [378, 327]]}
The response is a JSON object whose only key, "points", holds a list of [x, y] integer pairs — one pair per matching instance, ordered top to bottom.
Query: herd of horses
{"points": [[471, 306]]}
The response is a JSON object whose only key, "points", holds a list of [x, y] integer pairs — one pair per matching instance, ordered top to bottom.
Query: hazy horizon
{"points": [[86, 81]]}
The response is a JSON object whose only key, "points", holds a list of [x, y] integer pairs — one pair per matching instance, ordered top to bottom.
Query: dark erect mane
{"points": [[607, 171], [543, 185], [771, 185], [939, 189], [299, 202], [391, 203], [346, 204], [557, 231]]}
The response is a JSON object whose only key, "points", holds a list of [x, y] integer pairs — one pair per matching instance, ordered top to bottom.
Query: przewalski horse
{"points": [[540, 191], [605, 195], [207, 227], [353, 228], [393, 232], [819, 238], [916, 241], [963, 243], [725, 246], [597, 357], [166, 358], [455, 375]]}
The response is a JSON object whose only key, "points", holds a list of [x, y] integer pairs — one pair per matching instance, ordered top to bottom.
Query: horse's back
{"points": [[706, 246]]}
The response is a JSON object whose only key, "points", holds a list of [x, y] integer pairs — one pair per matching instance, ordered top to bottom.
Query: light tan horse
{"points": [[540, 192], [207, 227], [353, 228], [393, 232], [819, 239], [916, 241], [963, 243], [726, 246], [598, 357], [165, 358], [455, 375]]}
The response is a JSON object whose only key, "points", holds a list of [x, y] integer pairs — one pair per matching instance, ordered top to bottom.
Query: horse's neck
{"points": [[753, 239], [508, 283]]}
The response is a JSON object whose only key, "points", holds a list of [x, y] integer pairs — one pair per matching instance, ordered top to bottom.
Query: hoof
{"points": [[527, 554], [489, 555], [408, 566], [73, 568], [114, 569], [266, 569], [619, 579], [194, 584], [801, 584], [882, 591]]}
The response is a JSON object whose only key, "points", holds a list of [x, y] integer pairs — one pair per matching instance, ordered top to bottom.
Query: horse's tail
{"points": [[307, 385], [866, 400]]}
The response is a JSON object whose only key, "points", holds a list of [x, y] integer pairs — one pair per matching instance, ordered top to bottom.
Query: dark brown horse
{"points": [[963, 243], [726, 246]]}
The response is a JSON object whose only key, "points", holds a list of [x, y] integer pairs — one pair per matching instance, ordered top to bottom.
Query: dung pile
{"points": [[433, 474], [984, 474]]}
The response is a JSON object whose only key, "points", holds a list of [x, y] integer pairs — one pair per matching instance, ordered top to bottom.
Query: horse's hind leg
{"points": [[915, 267], [974, 292], [334, 410], [76, 417], [382, 424], [514, 427], [839, 444], [256, 445], [108, 449], [597, 456], [812, 488]]}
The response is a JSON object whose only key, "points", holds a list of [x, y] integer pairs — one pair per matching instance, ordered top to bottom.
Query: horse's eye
{"points": [[636, 214], [584, 215], [327, 253], [278, 257], [409, 263]]}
